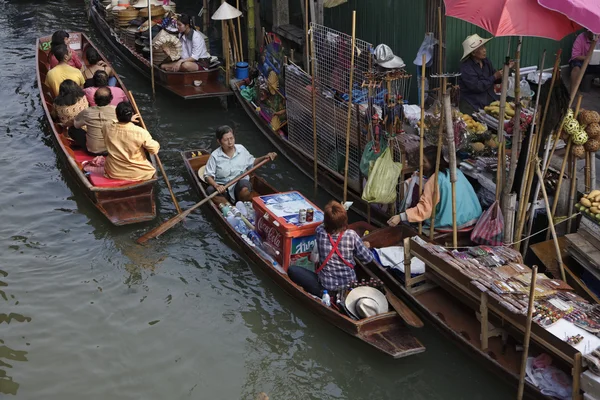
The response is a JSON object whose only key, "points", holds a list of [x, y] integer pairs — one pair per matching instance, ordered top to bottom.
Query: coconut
{"points": [[587, 117], [593, 130], [592, 145], [477, 146], [578, 151]]}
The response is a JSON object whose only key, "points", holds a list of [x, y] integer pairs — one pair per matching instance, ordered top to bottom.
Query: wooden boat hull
{"points": [[178, 83], [331, 182], [121, 205], [441, 307], [385, 332]]}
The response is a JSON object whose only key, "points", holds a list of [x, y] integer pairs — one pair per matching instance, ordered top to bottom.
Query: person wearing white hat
{"points": [[193, 48], [478, 76]]}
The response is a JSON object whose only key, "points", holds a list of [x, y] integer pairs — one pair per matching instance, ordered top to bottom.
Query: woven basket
{"points": [[157, 11]]}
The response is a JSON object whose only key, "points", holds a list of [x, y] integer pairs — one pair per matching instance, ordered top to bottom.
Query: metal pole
{"points": [[151, 49], [314, 114], [348, 123]]}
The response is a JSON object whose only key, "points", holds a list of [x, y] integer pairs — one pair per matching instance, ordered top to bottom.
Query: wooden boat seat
{"points": [[102, 181]]}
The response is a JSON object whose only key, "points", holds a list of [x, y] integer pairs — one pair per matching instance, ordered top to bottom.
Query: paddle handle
{"points": [[178, 218]]}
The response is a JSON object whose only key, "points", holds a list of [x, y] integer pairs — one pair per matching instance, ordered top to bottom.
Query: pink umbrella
{"points": [[585, 12], [514, 17]]}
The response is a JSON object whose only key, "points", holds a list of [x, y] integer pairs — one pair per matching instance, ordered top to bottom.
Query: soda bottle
{"points": [[326, 299]]}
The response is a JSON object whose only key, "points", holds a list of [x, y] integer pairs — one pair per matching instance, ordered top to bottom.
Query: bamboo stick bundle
{"points": [[422, 133], [437, 164], [527, 333]]}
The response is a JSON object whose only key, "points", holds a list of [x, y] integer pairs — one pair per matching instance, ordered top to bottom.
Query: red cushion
{"points": [[81, 156], [102, 181]]}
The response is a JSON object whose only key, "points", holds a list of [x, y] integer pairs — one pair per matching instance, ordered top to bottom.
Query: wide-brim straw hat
{"points": [[144, 3], [226, 11], [472, 43], [385, 57], [201, 173], [366, 301]]}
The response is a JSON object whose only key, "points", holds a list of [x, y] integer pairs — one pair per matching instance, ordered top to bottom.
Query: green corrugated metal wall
{"points": [[398, 23]]}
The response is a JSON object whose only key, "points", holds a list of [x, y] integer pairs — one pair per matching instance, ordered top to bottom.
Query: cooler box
{"points": [[277, 224]]}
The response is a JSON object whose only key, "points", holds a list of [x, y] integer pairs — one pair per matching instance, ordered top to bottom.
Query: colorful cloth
{"points": [[74, 62], [61, 73], [477, 83], [118, 95], [66, 114], [95, 118], [126, 156], [223, 169], [336, 274]]}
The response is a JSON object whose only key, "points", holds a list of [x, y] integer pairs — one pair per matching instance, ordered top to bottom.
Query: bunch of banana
{"points": [[494, 110], [472, 125], [590, 204]]}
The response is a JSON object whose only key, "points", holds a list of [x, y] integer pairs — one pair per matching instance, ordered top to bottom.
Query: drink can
{"points": [[310, 214], [302, 216]]}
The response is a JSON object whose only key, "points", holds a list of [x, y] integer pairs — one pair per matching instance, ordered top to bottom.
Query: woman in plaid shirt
{"points": [[333, 254]]}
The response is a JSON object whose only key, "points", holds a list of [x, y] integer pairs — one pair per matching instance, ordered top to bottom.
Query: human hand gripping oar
{"points": [[160, 166], [180, 217]]}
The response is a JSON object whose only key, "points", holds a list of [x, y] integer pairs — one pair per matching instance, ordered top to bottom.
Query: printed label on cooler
{"points": [[270, 234]]}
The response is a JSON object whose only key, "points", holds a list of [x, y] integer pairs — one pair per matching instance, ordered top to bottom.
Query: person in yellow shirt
{"points": [[63, 70], [126, 144]]}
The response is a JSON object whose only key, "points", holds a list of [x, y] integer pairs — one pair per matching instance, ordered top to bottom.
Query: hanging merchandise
{"points": [[426, 48], [371, 154], [383, 179], [489, 230]]}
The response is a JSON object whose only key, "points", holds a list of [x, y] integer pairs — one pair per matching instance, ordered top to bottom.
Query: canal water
{"points": [[85, 313]]}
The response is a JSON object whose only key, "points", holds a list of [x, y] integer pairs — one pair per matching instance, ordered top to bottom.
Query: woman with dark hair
{"points": [[58, 38], [193, 48], [95, 63], [63, 70], [69, 102], [127, 144], [229, 161], [468, 209], [334, 253]]}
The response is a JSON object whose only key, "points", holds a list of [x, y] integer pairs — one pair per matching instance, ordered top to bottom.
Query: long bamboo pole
{"points": [[239, 25], [251, 25], [440, 44], [306, 46], [151, 49], [236, 54], [314, 113], [348, 122], [422, 132], [501, 140], [516, 142], [452, 155], [437, 164], [572, 191], [551, 223], [527, 333]]}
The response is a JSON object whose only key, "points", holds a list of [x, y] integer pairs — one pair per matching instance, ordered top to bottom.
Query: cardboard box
{"points": [[277, 224]]}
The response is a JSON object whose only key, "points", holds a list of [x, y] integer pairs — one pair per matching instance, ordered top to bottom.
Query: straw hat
{"points": [[144, 3], [226, 11], [472, 43], [385, 57], [201, 173], [366, 302]]}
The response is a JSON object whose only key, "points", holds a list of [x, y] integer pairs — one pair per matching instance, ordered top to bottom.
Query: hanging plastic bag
{"points": [[427, 47], [370, 155], [383, 179], [489, 230]]}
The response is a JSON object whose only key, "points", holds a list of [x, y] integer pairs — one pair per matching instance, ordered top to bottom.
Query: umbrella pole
{"points": [[151, 49], [314, 111], [348, 124], [422, 131], [452, 156], [501, 158], [437, 165], [527, 333]]}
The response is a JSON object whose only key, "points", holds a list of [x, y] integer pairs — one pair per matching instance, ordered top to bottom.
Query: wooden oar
{"points": [[160, 166], [180, 217], [402, 309]]}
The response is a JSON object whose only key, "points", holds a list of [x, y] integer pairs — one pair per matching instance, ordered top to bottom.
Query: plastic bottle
{"points": [[224, 207], [242, 208], [240, 226], [255, 237], [270, 249], [270, 259], [326, 299]]}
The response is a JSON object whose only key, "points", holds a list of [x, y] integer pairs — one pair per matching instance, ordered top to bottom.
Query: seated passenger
{"points": [[62, 37], [193, 48], [95, 63], [63, 70], [101, 80], [69, 103], [94, 118], [126, 144], [229, 161], [468, 209], [336, 247]]}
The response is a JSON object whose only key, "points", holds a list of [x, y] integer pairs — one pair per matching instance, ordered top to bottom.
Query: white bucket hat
{"points": [[472, 43], [385, 57], [366, 302]]}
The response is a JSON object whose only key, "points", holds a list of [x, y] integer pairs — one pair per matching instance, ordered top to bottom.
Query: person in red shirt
{"points": [[62, 37], [581, 47], [101, 80]]}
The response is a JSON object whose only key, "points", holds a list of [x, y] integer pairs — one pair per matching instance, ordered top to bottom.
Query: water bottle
{"points": [[225, 207], [242, 208], [250, 213], [232, 220], [240, 226], [255, 237], [270, 249], [270, 259], [326, 299]]}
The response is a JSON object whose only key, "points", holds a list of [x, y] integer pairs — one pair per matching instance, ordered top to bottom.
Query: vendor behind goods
{"points": [[478, 76]]}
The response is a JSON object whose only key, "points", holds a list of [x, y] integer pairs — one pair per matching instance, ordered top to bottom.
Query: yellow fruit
{"points": [[495, 103], [510, 111], [477, 146], [594, 193], [585, 202], [594, 210]]}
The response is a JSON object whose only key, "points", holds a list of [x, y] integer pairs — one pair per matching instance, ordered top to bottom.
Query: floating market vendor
{"points": [[581, 47], [194, 55], [478, 76], [468, 209]]}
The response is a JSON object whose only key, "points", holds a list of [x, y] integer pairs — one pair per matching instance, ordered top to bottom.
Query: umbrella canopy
{"points": [[585, 12], [513, 17]]}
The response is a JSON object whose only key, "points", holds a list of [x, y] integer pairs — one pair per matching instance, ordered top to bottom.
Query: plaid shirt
{"points": [[336, 273]]}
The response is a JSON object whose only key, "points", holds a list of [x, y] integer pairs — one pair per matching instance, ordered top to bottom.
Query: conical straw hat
{"points": [[226, 11]]}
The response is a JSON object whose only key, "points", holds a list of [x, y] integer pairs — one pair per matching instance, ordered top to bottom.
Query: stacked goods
{"points": [[156, 11], [125, 16], [494, 110], [590, 120], [524, 121], [473, 126], [590, 204]]}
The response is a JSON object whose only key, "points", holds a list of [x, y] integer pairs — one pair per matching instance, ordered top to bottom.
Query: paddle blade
{"points": [[162, 228], [402, 309]]}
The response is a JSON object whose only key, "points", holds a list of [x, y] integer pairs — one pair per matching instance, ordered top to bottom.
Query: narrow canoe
{"points": [[178, 83], [122, 205], [386, 332]]}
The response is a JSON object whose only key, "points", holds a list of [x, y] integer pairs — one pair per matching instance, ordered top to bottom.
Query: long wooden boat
{"points": [[178, 83], [331, 182], [122, 203], [441, 297], [386, 332]]}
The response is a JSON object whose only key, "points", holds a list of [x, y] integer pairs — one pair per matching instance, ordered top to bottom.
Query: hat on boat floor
{"points": [[472, 43], [385, 57], [201, 173], [366, 302]]}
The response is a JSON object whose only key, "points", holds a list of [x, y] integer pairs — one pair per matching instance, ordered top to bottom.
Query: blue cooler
{"points": [[241, 70]]}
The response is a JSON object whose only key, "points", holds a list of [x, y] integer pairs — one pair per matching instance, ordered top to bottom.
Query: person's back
{"points": [[62, 71], [101, 80], [69, 102], [95, 118], [125, 143], [468, 209]]}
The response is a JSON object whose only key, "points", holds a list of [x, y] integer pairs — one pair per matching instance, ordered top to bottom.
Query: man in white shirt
{"points": [[193, 49]]}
